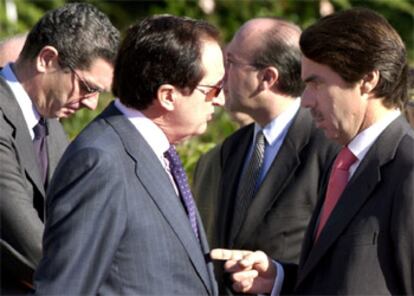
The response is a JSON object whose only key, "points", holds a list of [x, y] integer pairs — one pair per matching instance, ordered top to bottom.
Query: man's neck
{"points": [[271, 108]]}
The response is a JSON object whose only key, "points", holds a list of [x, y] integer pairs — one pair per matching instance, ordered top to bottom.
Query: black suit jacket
{"points": [[22, 192], [279, 214], [367, 245]]}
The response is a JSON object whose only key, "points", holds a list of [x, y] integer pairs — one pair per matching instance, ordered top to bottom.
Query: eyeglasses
{"points": [[234, 63], [84, 86], [213, 92]]}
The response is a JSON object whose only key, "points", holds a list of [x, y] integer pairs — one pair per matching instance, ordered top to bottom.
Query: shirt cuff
{"points": [[280, 276]]}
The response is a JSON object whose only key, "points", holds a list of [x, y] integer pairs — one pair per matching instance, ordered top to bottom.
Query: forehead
{"points": [[238, 48], [212, 61], [316, 71], [100, 73]]}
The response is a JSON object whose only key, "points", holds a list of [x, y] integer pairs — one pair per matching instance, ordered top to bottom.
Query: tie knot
{"points": [[40, 129], [172, 156], [345, 159]]}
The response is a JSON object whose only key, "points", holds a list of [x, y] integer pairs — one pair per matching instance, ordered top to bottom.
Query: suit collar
{"points": [[30, 114], [24, 145], [153, 176], [356, 193]]}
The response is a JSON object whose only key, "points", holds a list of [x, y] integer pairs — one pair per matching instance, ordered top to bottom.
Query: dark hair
{"points": [[79, 32], [355, 42], [160, 50], [278, 50]]}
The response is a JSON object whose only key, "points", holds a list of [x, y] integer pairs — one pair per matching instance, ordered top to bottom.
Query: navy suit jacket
{"points": [[115, 224]]}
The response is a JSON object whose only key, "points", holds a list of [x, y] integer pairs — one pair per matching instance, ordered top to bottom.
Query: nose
{"points": [[219, 100], [307, 100], [90, 102]]}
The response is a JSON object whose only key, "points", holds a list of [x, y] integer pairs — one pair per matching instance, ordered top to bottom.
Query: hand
{"points": [[252, 272]]}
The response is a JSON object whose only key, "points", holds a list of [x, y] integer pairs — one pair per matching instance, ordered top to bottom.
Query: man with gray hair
{"points": [[66, 61]]}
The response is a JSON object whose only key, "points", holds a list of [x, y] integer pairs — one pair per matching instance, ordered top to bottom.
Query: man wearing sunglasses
{"points": [[66, 61], [271, 168], [120, 197]]}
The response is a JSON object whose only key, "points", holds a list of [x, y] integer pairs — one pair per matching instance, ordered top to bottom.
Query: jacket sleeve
{"points": [[86, 219], [21, 226]]}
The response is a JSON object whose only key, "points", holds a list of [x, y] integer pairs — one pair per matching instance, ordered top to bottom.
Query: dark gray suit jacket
{"points": [[22, 192], [281, 209], [115, 224], [367, 245]]}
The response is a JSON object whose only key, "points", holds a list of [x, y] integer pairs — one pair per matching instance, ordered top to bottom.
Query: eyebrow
{"points": [[312, 78], [93, 85]]}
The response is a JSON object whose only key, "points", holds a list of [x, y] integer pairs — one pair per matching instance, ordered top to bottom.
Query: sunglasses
{"points": [[84, 86], [213, 92]]}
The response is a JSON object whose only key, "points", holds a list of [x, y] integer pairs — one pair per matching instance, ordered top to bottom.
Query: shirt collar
{"points": [[30, 114], [279, 124], [152, 134], [365, 139]]}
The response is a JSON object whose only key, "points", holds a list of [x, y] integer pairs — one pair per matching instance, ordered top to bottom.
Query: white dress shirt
{"points": [[30, 114]]}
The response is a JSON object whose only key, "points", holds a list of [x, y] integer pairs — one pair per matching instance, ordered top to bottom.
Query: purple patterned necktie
{"points": [[40, 146], [180, 178]]}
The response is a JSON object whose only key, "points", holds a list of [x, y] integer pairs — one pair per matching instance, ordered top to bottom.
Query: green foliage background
{"points": [[228, 15]]}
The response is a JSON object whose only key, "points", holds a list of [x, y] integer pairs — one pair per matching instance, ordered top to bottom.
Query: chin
{"points": [[202, 129]]}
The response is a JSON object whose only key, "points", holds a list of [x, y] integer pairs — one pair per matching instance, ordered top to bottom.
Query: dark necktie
{"points": [[40, 147], [180, 178], [248, 183], [337, 183]]}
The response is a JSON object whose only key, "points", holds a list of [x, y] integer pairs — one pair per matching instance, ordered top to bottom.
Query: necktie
{"points": [[40, 146], [181, 181], [248, 183], [337, 183]]}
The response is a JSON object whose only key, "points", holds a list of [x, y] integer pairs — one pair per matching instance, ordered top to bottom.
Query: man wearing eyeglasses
{"points": [[66, 61], [271, 168], [122, 219]]}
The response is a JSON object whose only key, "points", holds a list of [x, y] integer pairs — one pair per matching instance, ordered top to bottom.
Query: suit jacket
{"points": [[206, 181], [22, 192], [281, 209], [115, 224], [367, 245]]}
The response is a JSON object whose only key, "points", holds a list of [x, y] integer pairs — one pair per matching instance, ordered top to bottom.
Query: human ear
{"points": [[47, 59], [270, 76], [370, 81], [167, 96]]}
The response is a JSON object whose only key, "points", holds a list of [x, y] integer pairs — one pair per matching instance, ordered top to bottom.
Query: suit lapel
{"points": [[24, 144], [56, 144], [234, 154], [281, 171], [154, 178], [357, 192]]}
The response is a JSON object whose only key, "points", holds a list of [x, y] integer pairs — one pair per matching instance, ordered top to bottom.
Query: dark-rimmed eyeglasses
{"points": [[84, 86], [213, 92]]}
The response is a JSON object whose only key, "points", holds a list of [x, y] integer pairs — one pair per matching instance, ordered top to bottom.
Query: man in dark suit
{"points": [[61, 69], [263, 81], [207, 178], [121, 216], [360, 239]]}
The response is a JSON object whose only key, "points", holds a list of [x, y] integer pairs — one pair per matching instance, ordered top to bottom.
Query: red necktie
{"points": [[337, 183]]}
